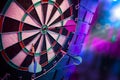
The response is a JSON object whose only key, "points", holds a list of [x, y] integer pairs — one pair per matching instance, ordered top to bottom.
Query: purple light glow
{"points": [[107, 43], [101, 46]]}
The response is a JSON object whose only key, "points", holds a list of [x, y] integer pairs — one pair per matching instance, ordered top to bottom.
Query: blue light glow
{"points": [[114, 0], [115, 13]]}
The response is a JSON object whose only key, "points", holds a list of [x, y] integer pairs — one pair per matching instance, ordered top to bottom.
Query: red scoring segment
{"points": [[1, 22]]}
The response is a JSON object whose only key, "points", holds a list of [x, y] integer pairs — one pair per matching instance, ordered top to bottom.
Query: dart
{"points": [[76, 59], [34, 67]]}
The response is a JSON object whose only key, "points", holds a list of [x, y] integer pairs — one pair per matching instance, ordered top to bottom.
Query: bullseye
{"points": [[44, 29]]}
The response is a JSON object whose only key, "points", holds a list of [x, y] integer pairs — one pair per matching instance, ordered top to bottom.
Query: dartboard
{"points": [[43, 23]]}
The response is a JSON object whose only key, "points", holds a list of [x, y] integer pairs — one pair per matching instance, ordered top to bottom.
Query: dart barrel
{"points": [[86, 11]]}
